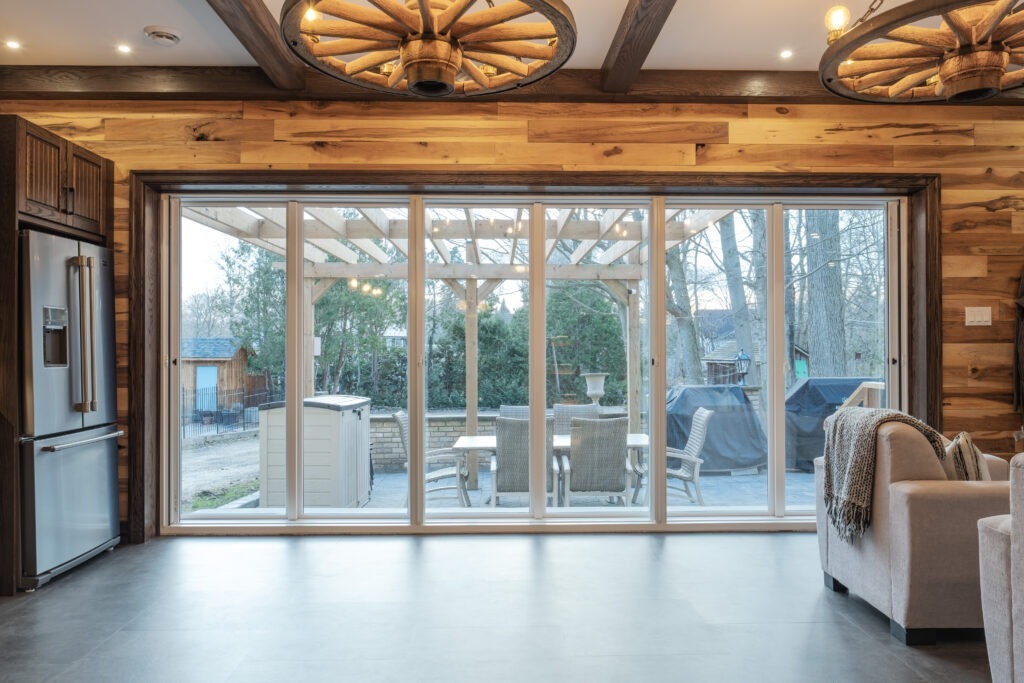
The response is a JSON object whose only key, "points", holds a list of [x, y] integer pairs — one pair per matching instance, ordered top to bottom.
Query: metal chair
{"points": [[598, 462], [451, 464], [510, 464]]}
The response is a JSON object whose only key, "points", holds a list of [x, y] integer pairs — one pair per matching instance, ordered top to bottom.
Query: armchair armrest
{"points": [[998, 468], [934, 549]]}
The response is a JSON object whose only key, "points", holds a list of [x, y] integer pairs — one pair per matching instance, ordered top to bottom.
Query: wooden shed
{"points": [[214, 370]]}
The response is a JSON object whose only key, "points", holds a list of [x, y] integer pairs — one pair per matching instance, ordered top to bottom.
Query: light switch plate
{"points": [[977, 315]]}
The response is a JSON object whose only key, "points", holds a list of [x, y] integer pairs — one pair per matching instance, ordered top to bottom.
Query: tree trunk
{"points": [[738, 296], [789, 305], [678, 306], [826, 328]]}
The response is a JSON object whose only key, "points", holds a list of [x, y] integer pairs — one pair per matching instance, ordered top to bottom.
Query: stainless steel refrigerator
{"points": [[69, 492]]}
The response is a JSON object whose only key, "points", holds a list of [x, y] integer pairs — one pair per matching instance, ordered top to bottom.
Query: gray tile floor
{"points": [[636, 607]]}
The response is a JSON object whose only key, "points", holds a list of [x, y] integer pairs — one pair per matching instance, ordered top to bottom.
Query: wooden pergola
{"points": [[472, 249]]}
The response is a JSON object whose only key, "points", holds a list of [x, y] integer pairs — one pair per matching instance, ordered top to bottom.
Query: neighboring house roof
{"points": [[397, 332], [209, 347]]}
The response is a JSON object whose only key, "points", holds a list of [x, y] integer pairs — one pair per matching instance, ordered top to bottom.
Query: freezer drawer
{"points": [[69, 501]]}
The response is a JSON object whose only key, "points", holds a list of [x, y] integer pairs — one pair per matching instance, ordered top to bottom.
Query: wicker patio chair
{"points": [[518, 412], [565, 412], [598, 463], [447, 464], [510, 464], [683, 465]]}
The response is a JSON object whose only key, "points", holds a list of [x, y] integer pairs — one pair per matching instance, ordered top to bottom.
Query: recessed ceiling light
{"points": [[13, 44], [124, 49], [786, 54]]}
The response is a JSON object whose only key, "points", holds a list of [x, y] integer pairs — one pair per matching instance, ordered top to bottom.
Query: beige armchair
{"points": [[1001, 541], [918, 561]]}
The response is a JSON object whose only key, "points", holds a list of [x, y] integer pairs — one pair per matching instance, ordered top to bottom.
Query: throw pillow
{"points": [[963, 461]]}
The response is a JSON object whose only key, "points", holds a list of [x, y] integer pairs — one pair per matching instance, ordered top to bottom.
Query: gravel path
{"points": [[217, 465]]}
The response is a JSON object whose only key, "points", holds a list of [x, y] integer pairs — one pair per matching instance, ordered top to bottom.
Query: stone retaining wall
{"points": [[442, 431]]}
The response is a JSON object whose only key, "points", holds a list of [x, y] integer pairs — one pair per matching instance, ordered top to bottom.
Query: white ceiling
{"points": [[699, 34]]}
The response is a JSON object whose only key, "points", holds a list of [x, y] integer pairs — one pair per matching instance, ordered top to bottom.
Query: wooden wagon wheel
{"points": [[431, 48], [975, 53]]}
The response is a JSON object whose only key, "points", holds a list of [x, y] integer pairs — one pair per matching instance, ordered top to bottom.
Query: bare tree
{"points": [[737, 292], [678, 306], [206, 314], [826, 324]]}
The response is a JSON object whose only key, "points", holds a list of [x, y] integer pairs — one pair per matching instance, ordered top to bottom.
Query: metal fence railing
{"points": [[211, 411]]}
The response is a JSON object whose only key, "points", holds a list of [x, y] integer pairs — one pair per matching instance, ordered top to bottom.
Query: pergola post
{"points": [[472, 379]]}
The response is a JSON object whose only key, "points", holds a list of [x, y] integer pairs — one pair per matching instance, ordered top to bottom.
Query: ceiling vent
{"points": [[163, 36]]}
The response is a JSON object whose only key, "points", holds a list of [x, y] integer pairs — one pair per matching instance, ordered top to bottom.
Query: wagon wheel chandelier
{"points": [[431, 48], [975, 52]]}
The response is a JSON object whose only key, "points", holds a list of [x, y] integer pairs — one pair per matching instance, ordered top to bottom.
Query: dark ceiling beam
{"points": [[640, 26], [259, 33], [566, 85]]}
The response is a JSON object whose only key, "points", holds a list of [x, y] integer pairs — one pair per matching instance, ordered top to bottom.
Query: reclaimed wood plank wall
{"points": [[978, 150]]}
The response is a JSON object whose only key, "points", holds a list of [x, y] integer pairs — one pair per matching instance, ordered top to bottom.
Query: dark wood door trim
{"points": [[924, 355]]}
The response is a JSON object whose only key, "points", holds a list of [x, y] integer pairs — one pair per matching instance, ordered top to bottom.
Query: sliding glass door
{"points": [[464, 359]]}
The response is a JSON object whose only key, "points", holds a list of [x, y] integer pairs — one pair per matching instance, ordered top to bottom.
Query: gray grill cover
{"points": [[735, 438]]}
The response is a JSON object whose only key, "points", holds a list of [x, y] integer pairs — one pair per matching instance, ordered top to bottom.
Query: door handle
{"points": [[69, 204], [81, 262], [93, 403], [83, 442]]}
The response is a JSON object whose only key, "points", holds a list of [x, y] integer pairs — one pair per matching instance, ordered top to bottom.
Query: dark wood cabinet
{"points": [[57, 181]]}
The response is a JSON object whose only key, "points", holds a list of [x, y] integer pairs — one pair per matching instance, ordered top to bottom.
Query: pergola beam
{"points": [[609, 220], [474, 271]]}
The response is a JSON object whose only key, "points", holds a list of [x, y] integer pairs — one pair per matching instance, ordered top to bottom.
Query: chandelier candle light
{"points": [[431, 48], [975, 52]]}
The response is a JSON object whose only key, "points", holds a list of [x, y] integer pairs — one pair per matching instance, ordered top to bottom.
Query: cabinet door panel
{"points": [[43, 186], [85, 197]]}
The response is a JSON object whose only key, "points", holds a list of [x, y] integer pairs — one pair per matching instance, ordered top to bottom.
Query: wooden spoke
{"points": [[400, 13], [453, 14], [361, 15], [490, 17], [428, 22], [989, 22], [960, 26], [1011, 26], [339, 28], [522, 31], [923, 36], [1015, 41], [348, 47], [523, 50], [893, 51], [1017, 58], [370, 60], [501, 62], [871, 66], [476, 74], [396, 76], [371, 77], [881, 77], [503, 79], [1013, 79], [912, 80]]}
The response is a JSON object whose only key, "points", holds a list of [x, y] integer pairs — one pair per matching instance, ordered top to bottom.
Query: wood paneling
{"points": [[982, 217]]}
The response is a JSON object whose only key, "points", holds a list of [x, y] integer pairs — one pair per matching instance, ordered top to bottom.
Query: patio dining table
{"points": [[636, 444]]}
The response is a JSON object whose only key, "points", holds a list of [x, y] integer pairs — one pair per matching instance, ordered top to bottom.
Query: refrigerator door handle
{"points": [[81, 262], [93, 403], [83, 442]]}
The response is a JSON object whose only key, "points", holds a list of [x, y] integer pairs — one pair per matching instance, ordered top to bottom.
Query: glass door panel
{"points": [[836, 295], [355, 350], [597, 350], [716, 355], [477, 356], [231, 360]]}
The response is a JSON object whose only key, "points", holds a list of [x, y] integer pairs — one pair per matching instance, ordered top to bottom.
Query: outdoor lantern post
{"points": [[742, 362]]}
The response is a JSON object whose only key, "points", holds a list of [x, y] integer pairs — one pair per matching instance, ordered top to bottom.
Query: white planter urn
{"points": [[595, 385]]}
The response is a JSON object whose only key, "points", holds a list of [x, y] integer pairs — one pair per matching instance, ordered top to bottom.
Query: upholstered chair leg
{"points": [[833, 585], [912, 636]]}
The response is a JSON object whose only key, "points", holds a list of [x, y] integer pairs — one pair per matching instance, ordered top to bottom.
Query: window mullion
{"points": [[294, 374], [775, 390]]}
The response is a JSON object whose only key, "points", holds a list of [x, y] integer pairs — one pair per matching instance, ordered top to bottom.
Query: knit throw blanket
{"points": [[850, 464]]}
